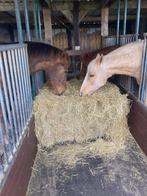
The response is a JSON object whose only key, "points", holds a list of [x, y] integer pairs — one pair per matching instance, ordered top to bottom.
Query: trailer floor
{"points": [[124, 175]]}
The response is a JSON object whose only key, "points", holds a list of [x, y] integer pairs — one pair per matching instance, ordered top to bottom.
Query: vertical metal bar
{"points": [[138, 6], [125, 16], [39, 19], [18, 20], [27, 20], [35, 20], [118, 21], [11, 63], [16, 79], [24, 81], [29, 82], [36, 82], [143, 83], [22, 84], [33, 85], [20, 87], [9, 88], [2, 101], [2, 140]]}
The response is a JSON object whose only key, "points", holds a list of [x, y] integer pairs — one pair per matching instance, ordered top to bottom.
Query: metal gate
{"points": [[125, 39], [142, 96], [15, 102]]}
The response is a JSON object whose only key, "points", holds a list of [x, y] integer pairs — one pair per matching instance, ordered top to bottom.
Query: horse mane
{"points": [[39, 51]]}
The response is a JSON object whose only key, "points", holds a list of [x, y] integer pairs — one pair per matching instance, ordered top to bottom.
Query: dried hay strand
{"points": [[74, 119]]}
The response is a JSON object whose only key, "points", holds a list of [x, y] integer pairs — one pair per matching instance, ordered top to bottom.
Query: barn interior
{"points": [[81, 28]]}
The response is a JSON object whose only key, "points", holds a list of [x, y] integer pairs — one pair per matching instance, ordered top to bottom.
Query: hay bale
{"points": [[72, 119]]}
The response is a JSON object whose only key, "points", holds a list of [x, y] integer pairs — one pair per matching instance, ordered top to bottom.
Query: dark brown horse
{"points": [[86, 58], [52, 60]]}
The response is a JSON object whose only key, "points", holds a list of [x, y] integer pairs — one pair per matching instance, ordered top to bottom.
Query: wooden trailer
{"points": [[124, 175]]}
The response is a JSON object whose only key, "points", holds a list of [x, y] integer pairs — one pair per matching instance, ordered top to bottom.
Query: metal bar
{"points": [[138, 7], [125, 16], [39, 19], [27, 20], [35, 20], [18, 21], [118, 21], [11, 46], [11, 63], [16, 80], [28, 81], [36, 82], [25, 83], [143, 84], [33, 85], [20, 87], [9, 88], [2, 101], [2, 139]]}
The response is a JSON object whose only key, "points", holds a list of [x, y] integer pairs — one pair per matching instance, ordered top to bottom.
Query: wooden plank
{"points": [[8, 5], [104, 21], [47, 24], [76, 31], [138, 123], [19, 174], [123, 175]]}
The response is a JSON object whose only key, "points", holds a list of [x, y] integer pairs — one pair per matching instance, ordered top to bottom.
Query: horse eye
{"points": [[91, 75]]}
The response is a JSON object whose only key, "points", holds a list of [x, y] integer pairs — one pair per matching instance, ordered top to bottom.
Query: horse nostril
{"points": [[81, 94]]}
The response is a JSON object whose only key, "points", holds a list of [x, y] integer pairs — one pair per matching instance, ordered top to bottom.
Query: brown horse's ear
{"points": [[99, 58]]}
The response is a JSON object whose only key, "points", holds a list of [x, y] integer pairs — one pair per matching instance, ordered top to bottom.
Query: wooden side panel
{"points": [[104, 21], [138, 123], [20, 172]]}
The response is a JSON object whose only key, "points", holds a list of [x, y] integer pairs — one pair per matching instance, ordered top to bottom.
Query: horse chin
{"points": [[59, 91], [92, 91]]}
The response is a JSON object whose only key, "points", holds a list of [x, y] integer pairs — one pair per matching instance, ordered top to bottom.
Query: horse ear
{"points": [[99, 58]]}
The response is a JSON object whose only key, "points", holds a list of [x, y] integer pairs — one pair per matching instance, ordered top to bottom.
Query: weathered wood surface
{"points": [[124, 175]]}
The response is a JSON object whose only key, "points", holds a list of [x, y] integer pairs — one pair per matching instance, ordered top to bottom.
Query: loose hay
{"points": [[70, 118], [87, 126]]}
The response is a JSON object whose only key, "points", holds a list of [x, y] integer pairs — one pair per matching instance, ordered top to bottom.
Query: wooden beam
{"points": [[105, 3], [9, 5], [68, 14], [104, 21], [47, 24], [76, 32]]}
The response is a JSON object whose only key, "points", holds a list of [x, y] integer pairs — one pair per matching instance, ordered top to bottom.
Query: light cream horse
{"points": [[125, 60]]}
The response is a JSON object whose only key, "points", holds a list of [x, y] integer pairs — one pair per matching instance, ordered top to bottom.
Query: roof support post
{"points": [[138, 6], [125, 16], [39, 19], [27, 20], [35, 20], [18, 21], [104, 21], [118, 21], [47, 24], [76, 31]]}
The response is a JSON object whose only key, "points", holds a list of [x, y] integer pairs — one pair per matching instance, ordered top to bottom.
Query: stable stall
{"points": [[71, 145]]}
